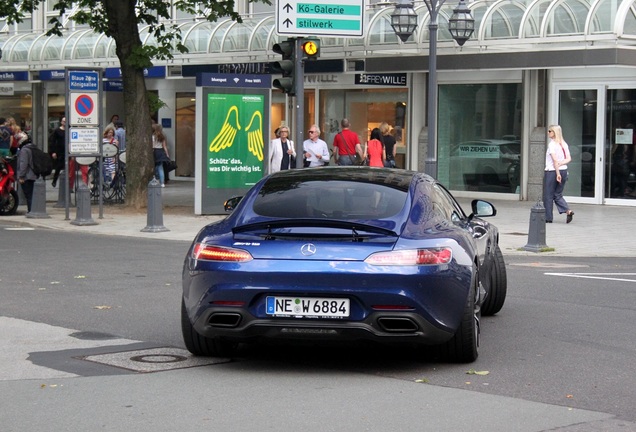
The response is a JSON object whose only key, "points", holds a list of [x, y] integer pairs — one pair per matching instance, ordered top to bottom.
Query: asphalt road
{"points": [[559, 356]]}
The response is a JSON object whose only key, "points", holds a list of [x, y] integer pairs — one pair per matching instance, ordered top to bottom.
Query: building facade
{"points": [[529, 64]]}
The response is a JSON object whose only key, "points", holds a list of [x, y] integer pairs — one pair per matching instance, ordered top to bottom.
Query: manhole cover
{"points": [[154, 360]]}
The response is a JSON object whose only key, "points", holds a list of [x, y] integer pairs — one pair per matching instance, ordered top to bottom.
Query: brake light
{"points": [[205, 252], [430, 256]]}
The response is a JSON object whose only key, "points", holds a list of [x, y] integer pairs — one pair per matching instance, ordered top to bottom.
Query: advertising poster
{"points": [[234, 139]]}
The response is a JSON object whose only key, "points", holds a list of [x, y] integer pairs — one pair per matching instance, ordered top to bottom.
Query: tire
{"points": [[93, 181], [11, 205], [498, 284], [200, 345], [464, 346]]}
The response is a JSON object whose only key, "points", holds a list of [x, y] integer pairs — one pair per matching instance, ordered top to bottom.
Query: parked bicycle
{"points": [[113, 188]]}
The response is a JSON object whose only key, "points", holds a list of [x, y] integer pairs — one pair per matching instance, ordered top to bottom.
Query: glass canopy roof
{"points": [[512, 25]]}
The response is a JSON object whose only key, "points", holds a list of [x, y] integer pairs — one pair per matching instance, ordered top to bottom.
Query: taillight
{"points": [[202, 251], [430, 256]]}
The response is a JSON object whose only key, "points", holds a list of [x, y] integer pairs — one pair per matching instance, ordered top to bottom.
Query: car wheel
{"points": [[498, 284], [200, 345], [464, 346]]}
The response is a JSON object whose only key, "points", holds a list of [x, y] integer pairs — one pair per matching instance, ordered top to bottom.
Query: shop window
{"points": [[366, 109], [185, 134], [479, 143], [620, 146]]}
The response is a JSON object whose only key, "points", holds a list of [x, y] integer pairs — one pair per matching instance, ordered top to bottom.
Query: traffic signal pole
{"points": [[294, 52], [299, 101]]}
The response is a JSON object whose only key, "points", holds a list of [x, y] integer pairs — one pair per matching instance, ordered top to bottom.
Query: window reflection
{"points": [[479, 143]]}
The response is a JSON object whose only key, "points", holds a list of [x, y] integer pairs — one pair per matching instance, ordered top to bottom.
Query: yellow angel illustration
{"points": [[225, 137], [255, 143]]}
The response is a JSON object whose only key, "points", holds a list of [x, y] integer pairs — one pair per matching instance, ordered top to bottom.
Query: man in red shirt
{"points": [[346, 144]]}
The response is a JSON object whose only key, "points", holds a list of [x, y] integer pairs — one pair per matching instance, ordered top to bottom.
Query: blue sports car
{"points": [[344, 254]]}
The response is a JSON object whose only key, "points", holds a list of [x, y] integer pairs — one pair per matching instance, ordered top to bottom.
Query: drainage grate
{"points": [[154, 360]]}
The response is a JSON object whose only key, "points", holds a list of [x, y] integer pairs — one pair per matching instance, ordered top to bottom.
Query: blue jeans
{"points": [[346, 160], [159, 173], [553, 193]]}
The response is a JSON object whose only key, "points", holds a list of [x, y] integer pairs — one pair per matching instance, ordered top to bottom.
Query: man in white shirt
{"points": [[315, 150], [281, 152]]}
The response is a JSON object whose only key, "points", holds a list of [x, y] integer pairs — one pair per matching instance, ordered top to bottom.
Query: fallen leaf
{"points": [[80, 277], [55, 283], [102, 307], [474, 372], [422, 380], [42, 385], [570, 396]]}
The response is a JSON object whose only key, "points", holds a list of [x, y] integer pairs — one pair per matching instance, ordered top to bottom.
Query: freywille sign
{"points": [[396, 79]]}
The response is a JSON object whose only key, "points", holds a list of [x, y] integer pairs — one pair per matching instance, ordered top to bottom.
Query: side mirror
{"points": [[231, 203], [482, 209]]}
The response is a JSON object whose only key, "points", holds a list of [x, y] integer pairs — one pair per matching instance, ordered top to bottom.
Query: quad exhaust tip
{"points": [[225, 319], [398, 325]]}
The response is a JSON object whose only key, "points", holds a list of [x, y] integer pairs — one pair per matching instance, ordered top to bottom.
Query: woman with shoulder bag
{"points": [[374, 150]]}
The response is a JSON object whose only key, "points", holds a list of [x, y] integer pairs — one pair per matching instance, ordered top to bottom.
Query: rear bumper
{"points": [[400, 327]]}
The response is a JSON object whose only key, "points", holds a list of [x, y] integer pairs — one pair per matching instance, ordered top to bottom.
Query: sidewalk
{"points": [[597, 231]]}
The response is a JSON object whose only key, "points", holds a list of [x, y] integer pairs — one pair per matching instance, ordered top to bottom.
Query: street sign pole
{"points": [[299, 102]]}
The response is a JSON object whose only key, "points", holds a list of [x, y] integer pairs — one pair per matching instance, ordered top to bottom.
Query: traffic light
{"points": [[311, 48], [286, 66]]}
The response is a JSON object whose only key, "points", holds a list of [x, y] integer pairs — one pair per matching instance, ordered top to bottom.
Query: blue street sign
{"points": [[83, 80]]}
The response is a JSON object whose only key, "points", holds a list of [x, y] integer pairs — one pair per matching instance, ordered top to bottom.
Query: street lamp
{"points": [[404, 20], [461, 26]]}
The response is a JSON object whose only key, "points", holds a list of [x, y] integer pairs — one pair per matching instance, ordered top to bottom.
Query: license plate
{"points": [[308, 307]]}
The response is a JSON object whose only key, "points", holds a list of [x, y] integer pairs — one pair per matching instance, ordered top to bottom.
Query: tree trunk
{"points": [[139, 158]]}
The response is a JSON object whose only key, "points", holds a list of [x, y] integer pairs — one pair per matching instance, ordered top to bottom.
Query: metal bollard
{"points": [[62, 183], [38, 203], [155, 208], [83, 215], [536, 233]]}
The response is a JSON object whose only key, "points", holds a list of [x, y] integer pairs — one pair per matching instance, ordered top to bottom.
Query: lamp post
{"points": [[461, 26]]}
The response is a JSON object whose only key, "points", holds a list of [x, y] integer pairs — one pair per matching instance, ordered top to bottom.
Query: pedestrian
{"points": [[114, 119], [15, 131], [120, 134], [5, 138], [346, 145], [390, 146], [57, 149], [315, 150], [374, 150], [160, 152], [281, 152], [557, 157], [110, 162], [26, 175]]}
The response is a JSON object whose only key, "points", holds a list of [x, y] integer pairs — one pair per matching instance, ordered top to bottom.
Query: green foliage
{"points": [[166, 37], [154, 103]]}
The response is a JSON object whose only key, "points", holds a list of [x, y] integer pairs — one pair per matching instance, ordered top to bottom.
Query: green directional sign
{"points": [[320, 18]]}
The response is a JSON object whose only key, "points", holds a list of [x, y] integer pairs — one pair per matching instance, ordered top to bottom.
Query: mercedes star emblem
{"points": [[308, 249]]}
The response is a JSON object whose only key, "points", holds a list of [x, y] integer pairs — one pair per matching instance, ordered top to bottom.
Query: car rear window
{"points": [[336, 199]]}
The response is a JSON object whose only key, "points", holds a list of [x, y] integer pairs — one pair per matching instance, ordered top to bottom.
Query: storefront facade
{"points": [[528, 65]]}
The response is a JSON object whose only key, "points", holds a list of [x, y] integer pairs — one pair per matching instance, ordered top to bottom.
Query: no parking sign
{"points": [[84, 109]]}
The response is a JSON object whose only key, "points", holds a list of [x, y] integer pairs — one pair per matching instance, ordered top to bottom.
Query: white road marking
{"points": [[601, 276]]}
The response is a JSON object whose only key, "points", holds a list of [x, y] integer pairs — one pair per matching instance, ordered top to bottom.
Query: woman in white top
{"points": [[160, 152], [282, 153], [556, 174]]}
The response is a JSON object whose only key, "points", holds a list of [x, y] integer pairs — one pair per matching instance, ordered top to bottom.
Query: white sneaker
{"points": [[163, 185]]}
